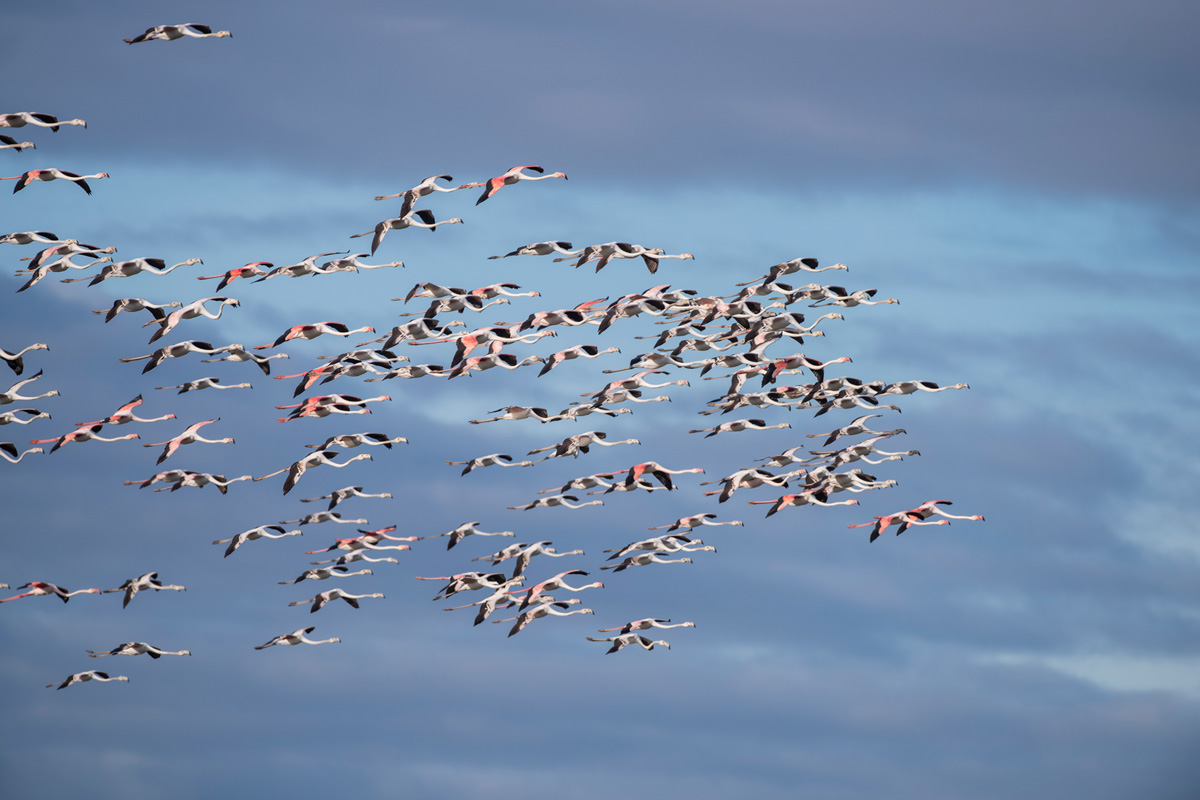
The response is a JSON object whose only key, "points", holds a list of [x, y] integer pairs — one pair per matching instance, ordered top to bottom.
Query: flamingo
{"points": [[171, 32], [20, 119], [9, 143], [51, 174], [509, 178], [425, 187], [419, 218], [29, 237], [68, 247], [540, 249], [354, 264], [60, 265], [795, 265], [135, 266], [306, 266], [251, 270], [837, 296], [137, 304], [191, 311], [313, 330], [177, 350], [578, 351], [235, 352], [15, 361], [205, 383], [908, 387], [12, 394], [514, 413], [125, 414], [9, 417], [734, 426], [855, 428], [81, 434], [190, 435], [349, 440], [580, 443], [319, 458], [490, 460], [658, 471], [166, 476], [749, 478], [202, 479], [600, 479], [343, 494], [816, 497], [557, 500], [930, 507], [318, 517], [695, 521], [463, 531], [261, 532], [667, 543], [524, 554], [644, 559], [324, 573], [148, 581], [469, 582], [554, 584], [37, 588], [323, 598], [542, 610], [646, 624], [296, 637], [623, 640], [137, 649], [90, 675]]}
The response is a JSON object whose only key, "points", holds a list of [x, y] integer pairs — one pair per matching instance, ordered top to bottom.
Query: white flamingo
{"points": [[169, 33], [20, 119], [261, 532], [296, 637], [137, 649], [90, 675]]}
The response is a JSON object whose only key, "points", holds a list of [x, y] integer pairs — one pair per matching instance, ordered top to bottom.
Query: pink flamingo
{"points": [[514, 175]]}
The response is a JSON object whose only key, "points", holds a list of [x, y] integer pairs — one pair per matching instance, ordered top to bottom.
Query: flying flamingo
{"points": [[171, 32], [20, 119], [9, 143], [26, 178], [509, 178], [425, 187], [420, 218], [29, 237], [540, 249], [60, 265], [135, 266], [307, 266], [252, 270], [137, 304], [191, 311], [312, 331], [177, 350], [578, 351], [235, 352], [15, 361], [205, 383], [12, 394], [125, 414], [734, 426], [81, 434], [190, 435], [9, 451], [319, 458], [490, 460], [202, 479], [340, 495], [557, 500], [695, 521], [463, 531], [261, 532], [643, 560], [324, 573], [148, 581], [556, 583], [37, 588], [323, 598], [542, 610], [646, 624], [296, 637], [623, 640], [137, 649], [90, 675]]}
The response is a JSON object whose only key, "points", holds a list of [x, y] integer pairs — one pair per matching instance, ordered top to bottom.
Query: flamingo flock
{"points": [[735, 332]]}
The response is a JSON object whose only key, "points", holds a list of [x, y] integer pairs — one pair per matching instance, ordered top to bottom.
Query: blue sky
{"points": [[1020, 177]]}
